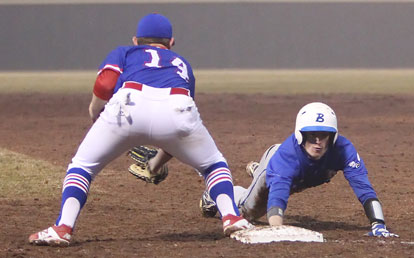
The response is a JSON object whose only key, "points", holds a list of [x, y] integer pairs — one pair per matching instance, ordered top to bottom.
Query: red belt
{"points": [[173, 91]]}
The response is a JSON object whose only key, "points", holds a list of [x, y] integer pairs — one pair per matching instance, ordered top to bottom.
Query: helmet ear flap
{"points": [[335, 136], [299, 137], [332, 138]]}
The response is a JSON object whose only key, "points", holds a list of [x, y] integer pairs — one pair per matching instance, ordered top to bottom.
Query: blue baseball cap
{"points": [[154, 25]]}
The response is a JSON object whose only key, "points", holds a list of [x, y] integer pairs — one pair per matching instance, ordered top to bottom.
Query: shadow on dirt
{"points": [[319, 225], [174, 237]]}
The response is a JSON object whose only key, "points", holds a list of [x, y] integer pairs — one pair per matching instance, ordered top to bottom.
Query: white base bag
{"points": [[268, 234]]}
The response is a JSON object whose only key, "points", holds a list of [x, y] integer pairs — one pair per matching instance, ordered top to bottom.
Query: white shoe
{"points": [[251, 167], [53, 236]]}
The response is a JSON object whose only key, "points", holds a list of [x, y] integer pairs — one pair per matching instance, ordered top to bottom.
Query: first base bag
{"points": [[268, 234]]}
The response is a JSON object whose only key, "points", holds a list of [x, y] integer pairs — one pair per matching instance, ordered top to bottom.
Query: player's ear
{"points": [[135, 40], [172, 42]]}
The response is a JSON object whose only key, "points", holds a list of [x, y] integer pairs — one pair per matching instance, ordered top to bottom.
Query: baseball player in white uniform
{"points": [[147, 92]]}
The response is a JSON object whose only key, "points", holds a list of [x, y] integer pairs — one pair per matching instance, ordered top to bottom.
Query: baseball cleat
{"points": [[251, 167], [208, 207], [232, 223], [52, 236]]}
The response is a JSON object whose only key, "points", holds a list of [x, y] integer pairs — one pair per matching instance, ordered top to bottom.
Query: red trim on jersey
{"points": [[110, 67], [105, 84]]}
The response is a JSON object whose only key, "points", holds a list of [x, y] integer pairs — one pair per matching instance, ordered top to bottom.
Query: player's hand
{"points": [[380, 230]]}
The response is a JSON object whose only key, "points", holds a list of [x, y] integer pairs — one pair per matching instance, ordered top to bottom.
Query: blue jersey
{"points": [[153, 66], [291, 170]]}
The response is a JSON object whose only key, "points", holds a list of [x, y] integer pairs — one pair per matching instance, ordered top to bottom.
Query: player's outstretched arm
{"points": [[373, 210], [275, 216], [275, 221]]}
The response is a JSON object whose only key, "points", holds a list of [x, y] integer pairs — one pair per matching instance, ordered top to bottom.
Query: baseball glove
{"points": [[141, 155]]}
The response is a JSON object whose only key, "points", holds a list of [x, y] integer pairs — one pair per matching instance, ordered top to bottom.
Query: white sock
{"points": [[225, 205], [70, 212]]}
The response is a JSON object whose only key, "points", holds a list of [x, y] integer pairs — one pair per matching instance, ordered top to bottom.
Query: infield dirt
{"points": [[128, 218]]}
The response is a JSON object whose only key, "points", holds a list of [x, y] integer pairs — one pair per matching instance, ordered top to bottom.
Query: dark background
{"points": [[214, 35]]}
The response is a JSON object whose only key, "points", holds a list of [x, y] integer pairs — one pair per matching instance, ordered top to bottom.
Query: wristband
{"points": [[275, 211]]}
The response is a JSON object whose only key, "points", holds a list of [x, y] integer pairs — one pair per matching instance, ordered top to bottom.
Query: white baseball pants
{"points": [[149, 116], [252, 202]]}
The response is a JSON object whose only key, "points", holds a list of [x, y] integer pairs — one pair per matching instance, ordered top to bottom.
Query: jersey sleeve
{"points": [[114, 60], [105, 84], [282, 169], [355, 171]]}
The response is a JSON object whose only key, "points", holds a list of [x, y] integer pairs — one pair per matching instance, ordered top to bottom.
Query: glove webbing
{"points": [[142, 154]]}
